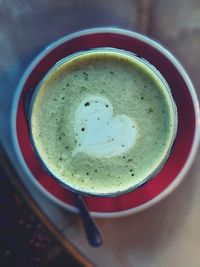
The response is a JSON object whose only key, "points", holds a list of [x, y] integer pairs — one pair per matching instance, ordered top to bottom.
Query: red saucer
{"points": [[166, 64]]}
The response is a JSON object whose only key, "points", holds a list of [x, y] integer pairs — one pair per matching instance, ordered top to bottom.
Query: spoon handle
{"points": [[27, 102], [91, 230]]}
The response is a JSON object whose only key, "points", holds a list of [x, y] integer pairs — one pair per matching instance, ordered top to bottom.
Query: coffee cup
{"points": [[102, 121]]}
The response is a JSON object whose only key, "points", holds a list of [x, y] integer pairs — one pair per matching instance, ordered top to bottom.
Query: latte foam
{"points": [[98, 132]]}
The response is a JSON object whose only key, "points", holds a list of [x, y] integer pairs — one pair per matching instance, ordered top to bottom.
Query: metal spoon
{"points": [[91, 230]]}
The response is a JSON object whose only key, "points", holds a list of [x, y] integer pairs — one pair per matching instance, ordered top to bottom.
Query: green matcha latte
{"points": [[103, 121]]}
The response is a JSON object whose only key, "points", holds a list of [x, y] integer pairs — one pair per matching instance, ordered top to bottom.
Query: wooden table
{"points": [[167, 234]]}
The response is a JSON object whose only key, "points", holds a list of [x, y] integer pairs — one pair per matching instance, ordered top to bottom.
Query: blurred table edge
{"points": [[13, 176]]}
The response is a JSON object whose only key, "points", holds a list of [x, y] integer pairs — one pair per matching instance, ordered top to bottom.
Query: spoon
{"points": [[91, 230]]}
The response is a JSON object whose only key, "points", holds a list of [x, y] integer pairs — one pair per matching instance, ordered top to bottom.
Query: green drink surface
{"points": [[82, 116]]}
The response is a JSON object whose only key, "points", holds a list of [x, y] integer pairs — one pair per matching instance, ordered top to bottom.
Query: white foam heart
{"points": [[98, 133]]}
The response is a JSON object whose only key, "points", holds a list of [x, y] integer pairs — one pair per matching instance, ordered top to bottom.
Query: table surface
{"points": [[167, 234]]}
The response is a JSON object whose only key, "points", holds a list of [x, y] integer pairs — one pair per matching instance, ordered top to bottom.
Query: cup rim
{"points": [[162, 50], [155, 72]]}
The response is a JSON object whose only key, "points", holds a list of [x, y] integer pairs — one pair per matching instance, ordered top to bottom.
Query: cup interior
{"points": [[118, 52]]}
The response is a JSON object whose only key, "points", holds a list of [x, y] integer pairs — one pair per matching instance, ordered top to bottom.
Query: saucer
{"points": [[184, 149]]}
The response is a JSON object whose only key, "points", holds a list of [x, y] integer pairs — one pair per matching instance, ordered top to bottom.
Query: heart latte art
{"points": [[102, 121], [98, 132]]}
